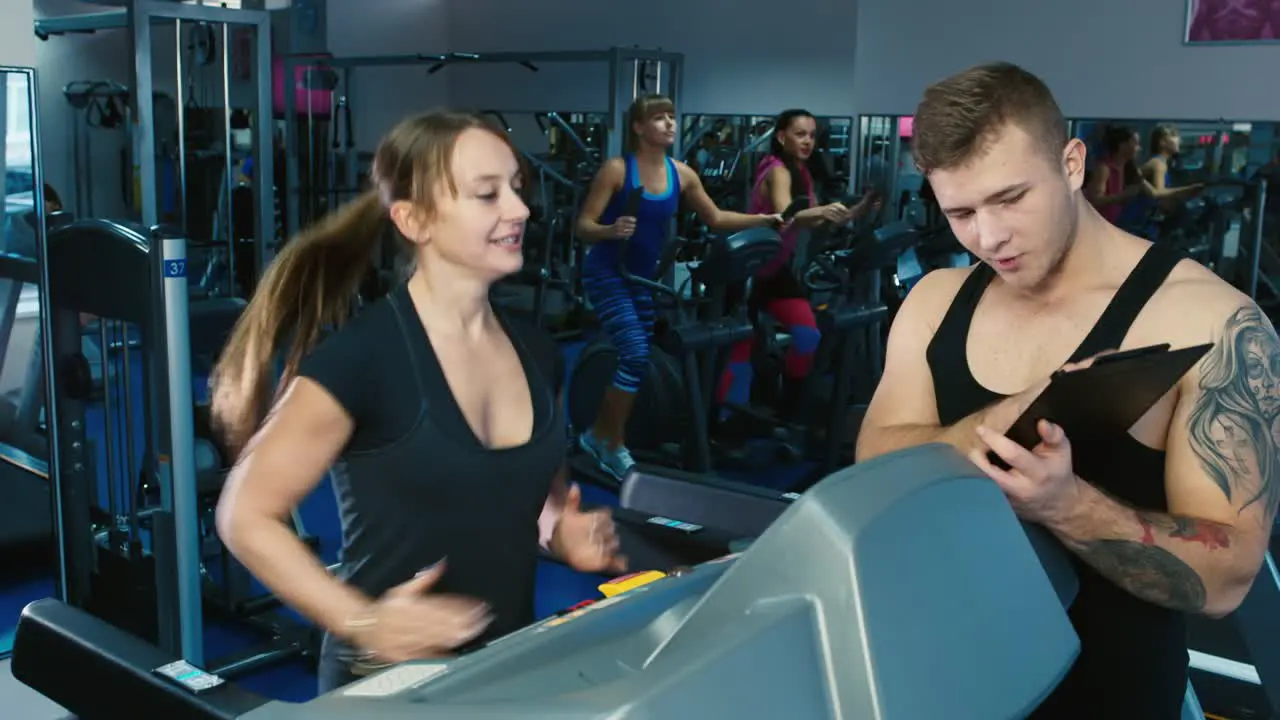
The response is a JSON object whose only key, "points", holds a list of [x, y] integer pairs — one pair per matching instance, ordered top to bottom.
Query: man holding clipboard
{"points": [[1165, 493]]}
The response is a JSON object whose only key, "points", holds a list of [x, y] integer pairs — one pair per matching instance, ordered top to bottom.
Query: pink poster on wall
{"points": [[1233, 21]]}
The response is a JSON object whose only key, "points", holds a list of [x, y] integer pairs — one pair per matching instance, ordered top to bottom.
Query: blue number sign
{"points": [[175, 268]]}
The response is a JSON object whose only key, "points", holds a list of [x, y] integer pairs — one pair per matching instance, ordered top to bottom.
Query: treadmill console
{"points": [[899, 588], [903, 588]]}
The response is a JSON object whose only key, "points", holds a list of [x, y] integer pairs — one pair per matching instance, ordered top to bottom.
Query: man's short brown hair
{"points": [[960, 116]]}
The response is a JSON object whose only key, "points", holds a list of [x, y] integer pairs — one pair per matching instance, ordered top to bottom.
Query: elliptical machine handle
{"points": [[629, 210], [825, 262], [627, 275]]}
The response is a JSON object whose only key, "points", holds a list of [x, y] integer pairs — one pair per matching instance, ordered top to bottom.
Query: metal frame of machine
{"points": [[140, 19], [624, 84], [170, 432]]}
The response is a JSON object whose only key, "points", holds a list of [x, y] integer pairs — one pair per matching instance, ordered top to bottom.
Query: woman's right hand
{"points": [[623, 227], [410, 623]]}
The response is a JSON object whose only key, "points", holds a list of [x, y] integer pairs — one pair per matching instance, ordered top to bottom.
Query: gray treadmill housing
{"points": [[900, 588]]}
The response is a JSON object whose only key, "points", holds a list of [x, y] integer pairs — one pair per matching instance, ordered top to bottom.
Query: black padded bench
{"points": [[94, 670]]}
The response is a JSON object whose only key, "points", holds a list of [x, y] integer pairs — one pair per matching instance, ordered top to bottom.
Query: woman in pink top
{"points": [[782, 176], [1114, 181]]}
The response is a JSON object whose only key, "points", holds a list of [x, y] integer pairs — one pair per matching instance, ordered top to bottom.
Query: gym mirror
{"points": [[1207, 149], [25, 508]]}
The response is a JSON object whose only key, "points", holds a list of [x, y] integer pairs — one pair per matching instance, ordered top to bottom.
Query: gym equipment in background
{"points": [[660, 71], [97, 105], [185, 158], [548, 289], [696, 341], [25, 504], [25, 507], [136, 545], [913, 619], [1235, 662]]}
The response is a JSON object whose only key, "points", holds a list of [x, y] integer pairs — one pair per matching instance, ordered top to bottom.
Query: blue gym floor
{"points": [[26, 575]]}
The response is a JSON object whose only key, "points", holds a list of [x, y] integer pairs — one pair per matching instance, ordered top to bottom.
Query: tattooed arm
{"points": [[1222, 477]]}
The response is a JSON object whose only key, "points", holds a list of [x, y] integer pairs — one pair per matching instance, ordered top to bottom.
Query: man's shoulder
{"points": [[932, 296], [1194, 306]]}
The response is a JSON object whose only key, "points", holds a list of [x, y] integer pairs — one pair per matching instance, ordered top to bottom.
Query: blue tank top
{"points": [[652, 223]]}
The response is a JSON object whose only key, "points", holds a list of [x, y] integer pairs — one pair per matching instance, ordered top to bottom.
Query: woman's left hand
{"points": [[777, 222], [586, 541]]}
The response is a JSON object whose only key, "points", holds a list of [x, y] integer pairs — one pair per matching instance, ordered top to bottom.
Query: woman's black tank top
{"points": [[1133, 658]]}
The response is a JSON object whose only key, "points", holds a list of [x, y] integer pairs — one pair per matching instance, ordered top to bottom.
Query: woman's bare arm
{"points": [[283, 463]]}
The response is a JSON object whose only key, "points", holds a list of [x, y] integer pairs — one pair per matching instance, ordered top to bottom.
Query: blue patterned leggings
{"points": [[626, 313]]}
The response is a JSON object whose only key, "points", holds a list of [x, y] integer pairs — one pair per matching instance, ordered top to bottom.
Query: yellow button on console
{"points": [[617, 586]]}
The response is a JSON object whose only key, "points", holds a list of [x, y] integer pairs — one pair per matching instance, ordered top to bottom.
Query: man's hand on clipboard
{"points": [[1040, 481]]}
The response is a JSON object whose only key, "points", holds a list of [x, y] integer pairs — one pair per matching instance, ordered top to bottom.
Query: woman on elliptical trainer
{"points": [[781, 177], [1115, 181], [1115, 185], [626, 312], [443, 412]]}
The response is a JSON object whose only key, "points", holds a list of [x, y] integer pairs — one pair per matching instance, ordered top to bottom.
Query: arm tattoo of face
{"points": [[1234, 423]]}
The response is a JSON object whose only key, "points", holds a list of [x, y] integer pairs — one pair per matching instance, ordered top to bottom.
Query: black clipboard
{"points": [[798, 204], [1109, 396]]}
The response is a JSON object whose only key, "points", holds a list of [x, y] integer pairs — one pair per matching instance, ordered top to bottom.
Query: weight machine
{"points": [[203, 27], [632, 72], [98, 104], [134, 276]]}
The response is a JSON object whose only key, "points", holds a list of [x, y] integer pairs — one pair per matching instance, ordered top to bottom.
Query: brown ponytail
{"points": [[308, 287]]}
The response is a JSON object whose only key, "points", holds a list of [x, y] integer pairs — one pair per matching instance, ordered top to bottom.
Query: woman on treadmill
{"points": [[1165, 144], [782, 176], [626, 311], [441, 414]]}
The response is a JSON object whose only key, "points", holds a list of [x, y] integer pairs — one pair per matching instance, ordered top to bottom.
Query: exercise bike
{"points": [[849, 283], [852, 321], [670, 420]]}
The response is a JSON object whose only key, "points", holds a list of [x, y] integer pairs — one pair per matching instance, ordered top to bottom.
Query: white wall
{"points": [[17, 42], [750, 56], [1102, 58], [384, 95]]}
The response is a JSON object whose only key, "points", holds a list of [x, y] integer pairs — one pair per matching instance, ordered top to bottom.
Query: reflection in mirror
{"points": [[725, 149], [19, 176], [1195, 185], [25, 508]]}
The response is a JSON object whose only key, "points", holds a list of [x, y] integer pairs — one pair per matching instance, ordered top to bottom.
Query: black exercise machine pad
{"points": [[1107, 397]]}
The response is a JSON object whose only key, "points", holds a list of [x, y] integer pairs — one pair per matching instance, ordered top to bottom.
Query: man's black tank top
{"points": [[437, 492], [1133, 659]]}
